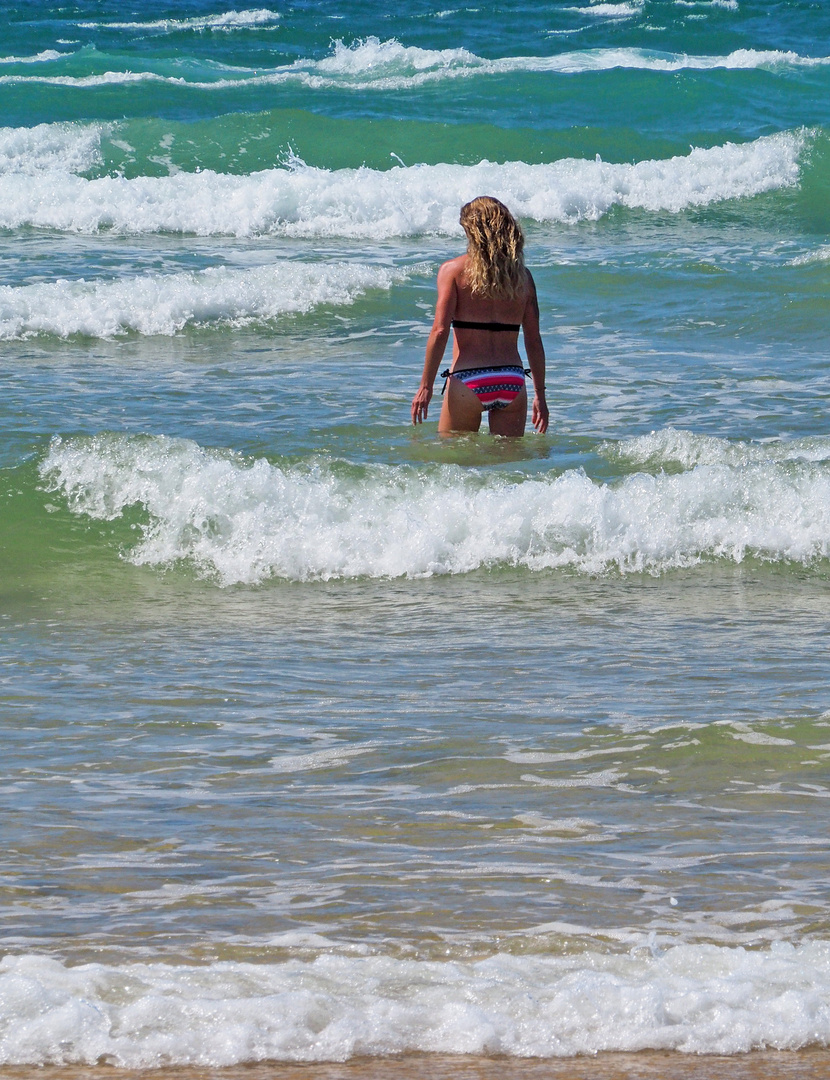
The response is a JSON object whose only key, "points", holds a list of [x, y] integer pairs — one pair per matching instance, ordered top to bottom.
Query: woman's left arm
{"points": [[536, 358]]}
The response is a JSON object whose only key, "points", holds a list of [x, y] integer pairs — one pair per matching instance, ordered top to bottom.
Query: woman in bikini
{"points": [[486, 297]]}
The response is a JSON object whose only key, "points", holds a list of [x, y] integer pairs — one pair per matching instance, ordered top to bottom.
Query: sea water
{"points": [[323, 736]]}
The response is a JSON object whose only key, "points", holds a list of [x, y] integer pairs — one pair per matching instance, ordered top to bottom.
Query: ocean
{"points": [[329, 740]]}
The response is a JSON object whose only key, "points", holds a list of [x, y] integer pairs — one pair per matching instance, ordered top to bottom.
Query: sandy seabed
{"points": [[762, 1065]]}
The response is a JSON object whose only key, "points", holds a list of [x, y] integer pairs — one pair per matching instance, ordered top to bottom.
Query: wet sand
{"points": [[763, 1065]]}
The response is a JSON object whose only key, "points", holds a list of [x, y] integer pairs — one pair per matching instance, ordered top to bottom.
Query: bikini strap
{"points": [[465, 324], [445, 375]]}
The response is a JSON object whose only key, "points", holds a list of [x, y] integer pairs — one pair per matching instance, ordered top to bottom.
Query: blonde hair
{"points": [[495, 267]]}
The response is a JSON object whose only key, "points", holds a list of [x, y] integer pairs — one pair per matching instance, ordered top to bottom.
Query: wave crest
{"points": [[228, 20], [42, 57], [371, 64], [51, 148], [302, 201], [167, 303], [672, 447], [240, 521], [691, 998]]}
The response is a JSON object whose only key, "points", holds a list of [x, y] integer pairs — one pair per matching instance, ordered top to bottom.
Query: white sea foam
{"points": [[728, 5], [610, 11], [228, 20], [371, 56], [38, 58], [586, 60], [370, 63], [110, 78], [52, 148], [309, 202], [820, 255], [167, 303], [672, 447], [241, 521], [691, 998]]}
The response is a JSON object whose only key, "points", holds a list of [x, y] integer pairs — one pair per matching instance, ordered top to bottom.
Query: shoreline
{"points": [[804, 1064]]}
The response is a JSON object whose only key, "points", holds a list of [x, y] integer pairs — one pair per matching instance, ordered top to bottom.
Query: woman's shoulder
{"points": [[453, 267], [451, 274]]}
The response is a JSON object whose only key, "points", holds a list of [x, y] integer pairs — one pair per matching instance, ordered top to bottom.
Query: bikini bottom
{"points": [[495, 387]]}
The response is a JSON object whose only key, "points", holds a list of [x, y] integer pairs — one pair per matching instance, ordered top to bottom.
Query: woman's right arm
{"points": [[437, 342], [536, 358]]}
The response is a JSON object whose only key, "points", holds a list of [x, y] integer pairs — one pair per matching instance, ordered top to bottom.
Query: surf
{"points": [[372, 64], [41, 188], [165, 304], [235, 520], [335, 1006]]}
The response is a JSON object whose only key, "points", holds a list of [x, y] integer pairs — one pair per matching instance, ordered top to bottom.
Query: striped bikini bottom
{"points": [[495, 387]]}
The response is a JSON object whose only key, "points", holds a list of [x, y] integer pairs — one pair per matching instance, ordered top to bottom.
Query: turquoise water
{"points": [[326, 737]]}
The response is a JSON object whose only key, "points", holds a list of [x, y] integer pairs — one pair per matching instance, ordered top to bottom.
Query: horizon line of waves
{"points": [[228, 20], [370, 63], [299, 200], [164, 304], [674, 447], [237, 521], [332, 1007]]}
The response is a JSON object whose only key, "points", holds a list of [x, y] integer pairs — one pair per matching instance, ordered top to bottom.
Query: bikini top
{"points": [[464, 324]]}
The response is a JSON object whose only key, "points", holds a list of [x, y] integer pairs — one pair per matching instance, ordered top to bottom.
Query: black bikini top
{"points": [[463, 324]]}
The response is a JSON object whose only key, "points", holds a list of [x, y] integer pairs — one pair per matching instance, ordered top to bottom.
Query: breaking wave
{"points": [[228, 20], [39, 58], [372, 64], [51, 148], [39, 187], [167, 303], [672, 447], [236, 520], [692, 998]]}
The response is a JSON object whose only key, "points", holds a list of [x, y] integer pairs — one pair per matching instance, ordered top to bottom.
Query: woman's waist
{"points": [[468, 359], [485, 370]]}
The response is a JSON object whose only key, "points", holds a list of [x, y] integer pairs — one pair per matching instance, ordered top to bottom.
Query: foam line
{"points": [[610, 11], [228, 20], [39, 58], [370, 63], [56, 148], [302, 201], [167, 303], [671, 447], [239, 521], [691, 998]]}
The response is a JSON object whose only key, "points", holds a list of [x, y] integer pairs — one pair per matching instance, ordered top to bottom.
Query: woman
{"points": [[486, 296]]}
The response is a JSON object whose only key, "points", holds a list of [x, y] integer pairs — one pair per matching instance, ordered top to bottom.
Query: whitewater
{"points": [[372, 64], [43, 191], [167, 303], [248, 521], [339, 1006]]}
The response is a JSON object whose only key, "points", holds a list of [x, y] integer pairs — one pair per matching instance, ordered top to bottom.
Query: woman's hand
{"points": [[420, 404], [539, 414]]}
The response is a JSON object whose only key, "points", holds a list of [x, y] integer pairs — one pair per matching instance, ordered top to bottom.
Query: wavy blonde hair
{"points": [[495, 241]]}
